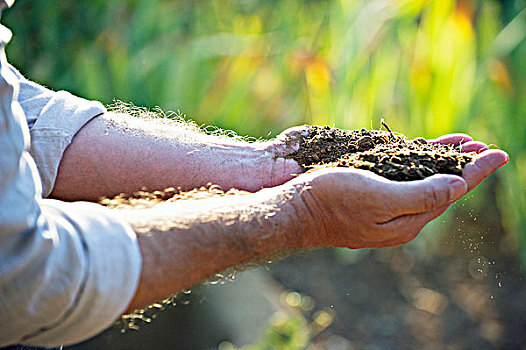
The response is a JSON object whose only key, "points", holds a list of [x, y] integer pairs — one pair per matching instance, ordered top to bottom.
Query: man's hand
{"points": [[356, 209], [359, 209]]}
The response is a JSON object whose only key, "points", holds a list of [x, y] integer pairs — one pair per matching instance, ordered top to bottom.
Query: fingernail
{"points": [[457, 188]]}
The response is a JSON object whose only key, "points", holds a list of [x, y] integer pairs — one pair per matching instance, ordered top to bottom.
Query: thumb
{"points": [[287, 142], [429, 194]]}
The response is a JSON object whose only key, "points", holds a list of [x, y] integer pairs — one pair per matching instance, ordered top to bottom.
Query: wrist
{"points": [[313, 219], [292, 223]]}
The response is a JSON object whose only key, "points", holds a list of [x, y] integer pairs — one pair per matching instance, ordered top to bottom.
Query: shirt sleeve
{"points": [[54, 118], [67, 270]]}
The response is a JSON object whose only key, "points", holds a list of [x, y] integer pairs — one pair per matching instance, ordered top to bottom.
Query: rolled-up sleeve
{"points": [[54, 118], [67, 270], [66, 277]]}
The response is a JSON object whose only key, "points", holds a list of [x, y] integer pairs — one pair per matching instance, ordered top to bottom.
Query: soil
{"points": [[390, 155]]}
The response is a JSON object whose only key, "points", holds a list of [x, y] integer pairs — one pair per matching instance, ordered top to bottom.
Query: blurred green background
{"points": [[429, 67]]}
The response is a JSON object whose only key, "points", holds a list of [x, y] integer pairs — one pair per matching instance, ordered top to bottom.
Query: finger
{"points": [[294, 132], [452, 139], [287, 141], [473, 146], [483, 165], [282, 170], [426, 195], [407, 227]]}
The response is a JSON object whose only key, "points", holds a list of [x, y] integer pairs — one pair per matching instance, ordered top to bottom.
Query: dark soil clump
{"points": [[392, 156]]}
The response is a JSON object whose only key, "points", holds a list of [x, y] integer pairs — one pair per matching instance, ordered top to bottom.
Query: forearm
{"points": [[117, 153], [185, 242]]}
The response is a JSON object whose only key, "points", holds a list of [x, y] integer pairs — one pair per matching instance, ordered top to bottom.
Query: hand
{"points": [[358, 209]]}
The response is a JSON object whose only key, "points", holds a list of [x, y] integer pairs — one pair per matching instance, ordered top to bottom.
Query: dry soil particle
{"points": [[392, 156]]}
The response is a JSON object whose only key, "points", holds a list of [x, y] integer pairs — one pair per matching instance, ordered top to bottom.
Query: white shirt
{"points": [[67, 270]]}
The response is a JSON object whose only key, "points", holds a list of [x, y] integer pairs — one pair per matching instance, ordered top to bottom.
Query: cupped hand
{"points": [[358, 209]]}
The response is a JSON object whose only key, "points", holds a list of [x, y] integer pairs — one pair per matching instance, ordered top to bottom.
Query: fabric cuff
{"points": [[54, 118], [57, 124], [112, 274]]}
